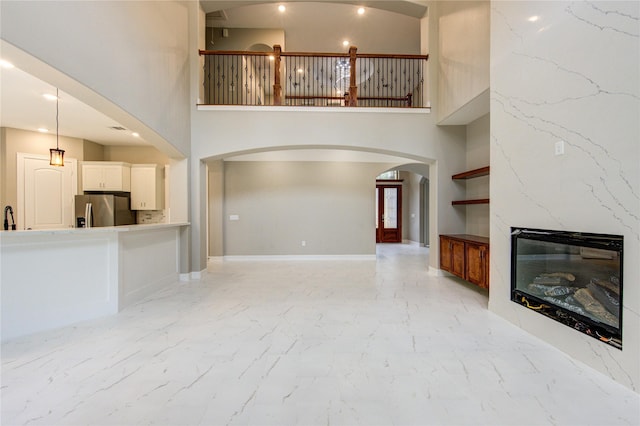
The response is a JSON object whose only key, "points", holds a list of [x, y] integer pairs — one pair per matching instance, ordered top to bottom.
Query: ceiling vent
{"points": [[217, 15], [117, 128]]}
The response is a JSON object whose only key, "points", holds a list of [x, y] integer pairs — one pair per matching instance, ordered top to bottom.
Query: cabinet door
{"points": [[92, 178], [112, 178], [117, 178], [141, 188], [147, 189], [445, 254], [452, 256], [457, 258], [477, 264]]}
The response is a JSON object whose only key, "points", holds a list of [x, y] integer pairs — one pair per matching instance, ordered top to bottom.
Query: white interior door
{"points": [[45, 193]]}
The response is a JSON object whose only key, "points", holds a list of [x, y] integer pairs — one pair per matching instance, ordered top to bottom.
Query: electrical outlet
{"points": [[559, 148], [304, 243]]}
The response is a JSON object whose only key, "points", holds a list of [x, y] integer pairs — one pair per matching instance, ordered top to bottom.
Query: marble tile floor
{"points": [[306, 343]]}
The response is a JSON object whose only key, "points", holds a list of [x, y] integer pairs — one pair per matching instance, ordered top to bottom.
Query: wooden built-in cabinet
{"points": [[106, 176], [147, 187], [452, 256], [467, 257]]}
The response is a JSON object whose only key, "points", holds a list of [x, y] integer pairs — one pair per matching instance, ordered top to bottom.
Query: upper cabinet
{"points": [[106, 176], [147, 187]]}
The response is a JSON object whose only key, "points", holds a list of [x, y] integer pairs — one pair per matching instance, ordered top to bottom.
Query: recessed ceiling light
{"points": [[281, 8], [361, 11], [533, 18], [345, 43], [6, 64], [49, 97], [43, 130], [135, 134]]}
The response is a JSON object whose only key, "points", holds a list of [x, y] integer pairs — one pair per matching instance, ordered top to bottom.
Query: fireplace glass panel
{"points": [[574, 278]]}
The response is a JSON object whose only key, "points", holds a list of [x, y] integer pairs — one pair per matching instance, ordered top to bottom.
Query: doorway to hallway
{"points": [[388, 213]]}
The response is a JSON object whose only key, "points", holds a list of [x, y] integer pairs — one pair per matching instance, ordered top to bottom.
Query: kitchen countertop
{"points": [[95, 230]]}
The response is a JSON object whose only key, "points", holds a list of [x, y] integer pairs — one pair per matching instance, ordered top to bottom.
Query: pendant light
{"points": [[56, 155]]}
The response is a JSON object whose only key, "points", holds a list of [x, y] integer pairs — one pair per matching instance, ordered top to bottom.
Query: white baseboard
{"points": [[302, 257], [197, 275], [192, 276]]}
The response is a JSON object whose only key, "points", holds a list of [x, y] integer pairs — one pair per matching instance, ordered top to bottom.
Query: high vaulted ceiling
{"points": [[415, 9], [22, 105]]}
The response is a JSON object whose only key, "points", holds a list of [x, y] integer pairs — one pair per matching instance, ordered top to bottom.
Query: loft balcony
{"points": [[278, 78]]}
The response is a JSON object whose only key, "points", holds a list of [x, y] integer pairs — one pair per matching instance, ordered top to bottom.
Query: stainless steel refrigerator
{"points": [[96, 210]]}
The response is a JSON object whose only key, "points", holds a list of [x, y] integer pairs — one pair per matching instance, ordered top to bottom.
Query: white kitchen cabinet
{"points": [[106, 176], [147, 187]]}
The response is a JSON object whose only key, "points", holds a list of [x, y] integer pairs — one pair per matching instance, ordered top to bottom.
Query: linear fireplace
{"points": [[572, 277]]}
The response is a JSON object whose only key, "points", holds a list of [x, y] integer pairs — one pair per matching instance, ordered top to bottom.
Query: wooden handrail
{"points": [[233, 52], [311, 54], [317, 54], [387, 56], [305, 97], [350, 98]]}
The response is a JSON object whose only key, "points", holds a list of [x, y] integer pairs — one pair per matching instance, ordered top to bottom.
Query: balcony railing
{"points": [[314, 79]]}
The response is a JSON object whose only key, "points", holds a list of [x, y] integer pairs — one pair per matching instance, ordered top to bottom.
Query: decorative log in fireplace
{"points": [[574, 278]]}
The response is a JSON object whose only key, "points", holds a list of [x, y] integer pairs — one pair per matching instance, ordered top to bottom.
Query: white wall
{"points": [[243, 38], [133, 55], [463, 55], [570, 75], [477, 157], [329, 205], [215, 209], [411, 213]]}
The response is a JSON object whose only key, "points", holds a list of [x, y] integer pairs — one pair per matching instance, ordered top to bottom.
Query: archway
{"points": [[414, 179], [233, 230]]}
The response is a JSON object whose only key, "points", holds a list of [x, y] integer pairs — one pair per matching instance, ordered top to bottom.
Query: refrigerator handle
{"points": [[88, 215]]}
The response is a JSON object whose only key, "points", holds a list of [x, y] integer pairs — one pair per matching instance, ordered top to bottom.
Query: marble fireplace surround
{"points": [[567, 72]]}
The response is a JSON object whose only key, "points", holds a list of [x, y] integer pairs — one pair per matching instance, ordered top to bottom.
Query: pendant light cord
{"points": [[57, 123]]}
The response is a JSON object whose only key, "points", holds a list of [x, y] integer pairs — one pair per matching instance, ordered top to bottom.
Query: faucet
{"points": [[9, 210]]}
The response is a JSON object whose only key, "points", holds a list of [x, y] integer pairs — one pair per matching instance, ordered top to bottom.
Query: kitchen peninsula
{"points": [[53, 278]]}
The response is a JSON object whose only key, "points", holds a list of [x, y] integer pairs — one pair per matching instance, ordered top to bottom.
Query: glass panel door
{"points": [[388, 213], [390, 218]]}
